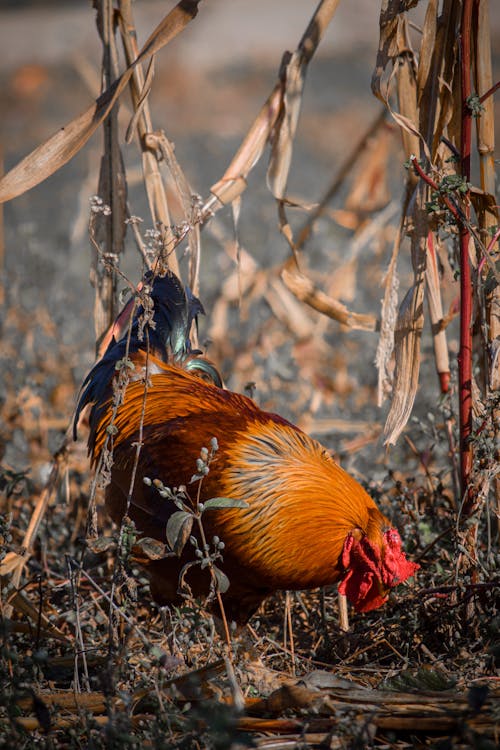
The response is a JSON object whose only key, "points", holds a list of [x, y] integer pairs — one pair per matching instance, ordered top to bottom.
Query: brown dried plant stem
{"points": [[490, 91], [155, 188], [488, 210], [110, 230], [466, 291]]}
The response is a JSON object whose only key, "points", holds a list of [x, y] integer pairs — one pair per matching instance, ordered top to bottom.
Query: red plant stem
{"points": [[488, 93], [426, 178], [465, 352]]}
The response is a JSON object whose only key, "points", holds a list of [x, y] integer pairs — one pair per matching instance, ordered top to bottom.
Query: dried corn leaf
{"points": [[392, 41], [394, 46], [427, 48], [435, 73], [292, 75], [447, 75], [429, 81], [141, 101], [408, 113], [286, 126], [409, 127], [63, 145], [233, 182], [155, 188], [369, 190], [187, 201], [432, 279], [304, 289], [289, 311], [388, 318], [409, 325], [407, 351]]}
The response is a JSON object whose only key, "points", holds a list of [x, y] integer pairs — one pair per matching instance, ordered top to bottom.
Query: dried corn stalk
{"points": [[425, 89], [141, 121], [487, 214], [108, 228]]}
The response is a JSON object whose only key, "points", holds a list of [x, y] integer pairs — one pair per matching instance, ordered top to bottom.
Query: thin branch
{"points": [[490, 92], [465, 353]]}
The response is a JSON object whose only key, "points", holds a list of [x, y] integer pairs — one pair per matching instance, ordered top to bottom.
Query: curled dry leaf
{"points": [[392, 42], [395, 48], [293, 75], [286, 126], [63, 145], [233, 181], [304, 289], [288, 310], [409, 324], [385, 345], [407, 350], [178, 530], [151, 548]]}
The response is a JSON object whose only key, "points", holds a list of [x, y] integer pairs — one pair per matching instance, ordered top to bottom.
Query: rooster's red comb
{"points": [[371, 572]]}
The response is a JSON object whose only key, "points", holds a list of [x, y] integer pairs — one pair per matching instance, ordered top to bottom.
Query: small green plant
{"points": [[474, 105], [450, 185], [189, 514]]}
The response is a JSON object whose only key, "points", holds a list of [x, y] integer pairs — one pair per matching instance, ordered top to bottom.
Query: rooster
{"points": [[301, 521]]}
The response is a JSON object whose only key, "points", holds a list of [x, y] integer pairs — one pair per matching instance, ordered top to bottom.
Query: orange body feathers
{"points": [[304, 522]]}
